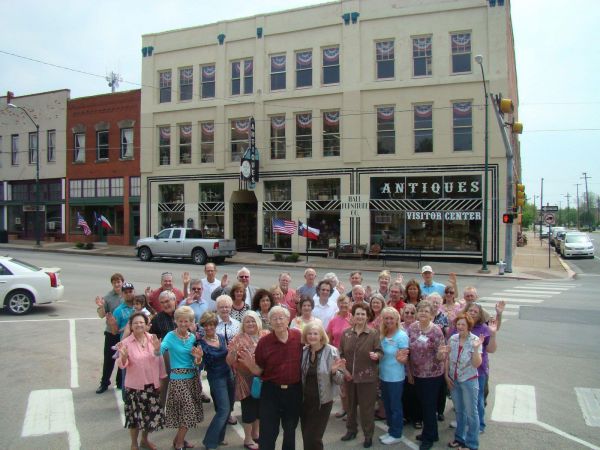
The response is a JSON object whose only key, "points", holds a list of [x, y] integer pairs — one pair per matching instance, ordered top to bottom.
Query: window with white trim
{"points": [[461, 52], [384, 53], [422, 56], [331, 65], [304, 69], [277, 72], [242, 76], [186, 83], [164, 84], [207, 88], [462, 126], [423, 128], [331, 133], [386, 133], [304, 135], [240, 137], [278, 137], [207, 142], [51, 143], [126, 143], [185, 144], [102, 145], [164, 146], [33, 147], [79, 147], [14, 149], [135, 186], [103, 187], [116, 187], [89, 188], [75, 190]]}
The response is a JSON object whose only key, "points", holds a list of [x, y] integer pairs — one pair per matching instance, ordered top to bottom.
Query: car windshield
{"points": [[577, 239], [25, 265]]}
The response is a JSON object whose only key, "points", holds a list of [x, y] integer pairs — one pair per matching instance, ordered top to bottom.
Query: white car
{"points": [[576, 244], [22, 285]]}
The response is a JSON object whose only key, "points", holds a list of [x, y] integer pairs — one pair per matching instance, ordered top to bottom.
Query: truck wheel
{"points": [[145, 254], [199, 256]]}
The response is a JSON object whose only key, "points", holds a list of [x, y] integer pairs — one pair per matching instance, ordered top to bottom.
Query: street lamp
{"points": [[37, 174], [484, 266]]}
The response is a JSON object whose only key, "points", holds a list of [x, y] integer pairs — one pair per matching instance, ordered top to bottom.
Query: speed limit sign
{"points": [[549, 218]]}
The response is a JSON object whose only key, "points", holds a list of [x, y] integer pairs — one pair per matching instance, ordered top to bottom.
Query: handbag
{"points": [[255, 388]]}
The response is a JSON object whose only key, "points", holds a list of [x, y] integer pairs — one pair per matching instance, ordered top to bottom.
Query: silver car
{"points": [[576, 244]]}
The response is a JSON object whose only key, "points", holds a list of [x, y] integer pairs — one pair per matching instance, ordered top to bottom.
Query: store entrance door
{"points": [[245, 208]]}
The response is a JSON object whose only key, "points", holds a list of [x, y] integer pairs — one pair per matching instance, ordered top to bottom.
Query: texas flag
{"points": [[104, 222], [308, 232]]}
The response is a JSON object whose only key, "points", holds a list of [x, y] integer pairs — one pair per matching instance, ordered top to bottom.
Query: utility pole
{"points": [[577, 186], [587, 201], [541, 208], [568, 209], [535, 212], [560, 212]]}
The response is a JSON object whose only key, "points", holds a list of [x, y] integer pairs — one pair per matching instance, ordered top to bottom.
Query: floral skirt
{"points": [[184, 403], [143, 410]]}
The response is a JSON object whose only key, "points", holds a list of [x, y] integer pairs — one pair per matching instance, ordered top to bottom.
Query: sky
{"points": [[558, 67]]}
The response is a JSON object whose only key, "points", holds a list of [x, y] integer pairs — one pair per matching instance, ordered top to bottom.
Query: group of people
{"points": [[391, 352]]}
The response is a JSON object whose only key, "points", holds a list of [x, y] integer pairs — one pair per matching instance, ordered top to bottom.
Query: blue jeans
{"points": [[222, 391], [465, 398], [481, 401], [392, 402]]}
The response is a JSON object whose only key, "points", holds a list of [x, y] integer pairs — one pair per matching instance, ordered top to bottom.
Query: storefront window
{"points": [[324, 189], [278, 191], [212, 192], [171, 206], [212, 210], [212, 224], [328, 224], [387, 229], [424, 235], [462, 235], [276, 240]]}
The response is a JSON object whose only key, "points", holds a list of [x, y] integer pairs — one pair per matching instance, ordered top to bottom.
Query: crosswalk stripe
{"points": [[546, 286], [541, 290], [524, 294], [522, 300], [508, 305], [510, 313], [589, 402], [514, 403]]}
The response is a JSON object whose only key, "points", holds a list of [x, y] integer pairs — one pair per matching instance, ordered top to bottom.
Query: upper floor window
{"points": [[384, 51], [461, 52], [422, 56], [331, 65], [304, 69], [277, 72], [208, 81], [242, 82], [164, 83], [186, 83], [423, 123], [462, 126], [331, 133], [386, 134], [240, 135], [304, 135], [278, 137], [51, 142], [207, 142], [126, 143], [102, 144], [185, 144], [164, 146], [33, 147], [79, 147], [14, 149], [135, 186], [103, 187]]}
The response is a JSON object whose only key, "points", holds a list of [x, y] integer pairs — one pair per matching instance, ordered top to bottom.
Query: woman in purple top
{"points": [[489, 346], [426, 368]]}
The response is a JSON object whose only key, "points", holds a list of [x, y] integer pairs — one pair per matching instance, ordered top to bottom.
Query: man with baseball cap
{"points": [[428, 286]]}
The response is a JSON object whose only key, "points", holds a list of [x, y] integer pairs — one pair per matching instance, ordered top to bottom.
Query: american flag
{"points": [[83, 224], [283, 226]]}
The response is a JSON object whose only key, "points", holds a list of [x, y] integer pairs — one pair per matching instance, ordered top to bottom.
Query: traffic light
{"points": [[520, 195], [507, 218]]}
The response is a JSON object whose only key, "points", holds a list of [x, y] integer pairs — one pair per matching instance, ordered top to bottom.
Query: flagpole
{"points": [[306, 239]]}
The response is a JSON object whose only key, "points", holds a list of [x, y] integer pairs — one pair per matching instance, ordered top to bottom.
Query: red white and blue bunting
{"points": [[461, 43], [422, 46], [385, 50], [331, 56], [304, 60], [278, 63], [248, 67], [235, 69], [208, 73], [186, 74], [165, 79], [462, 109], [424, 111], [385, 113], [331, 118], [304, 120], [278, 122], [241, 125], [208, 129], [185, 130], [165, 132]]}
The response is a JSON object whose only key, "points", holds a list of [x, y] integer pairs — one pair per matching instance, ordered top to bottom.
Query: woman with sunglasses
{"points": [[450, 306]]}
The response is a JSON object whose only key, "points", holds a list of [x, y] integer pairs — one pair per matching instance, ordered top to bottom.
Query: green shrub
{"points": [[80, 245], [89, 246], [278, 256], [293, 257]]}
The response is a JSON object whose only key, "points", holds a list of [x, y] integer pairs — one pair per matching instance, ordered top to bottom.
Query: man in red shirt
{"points": [[166, 284], [396, 299], [277, 360]]}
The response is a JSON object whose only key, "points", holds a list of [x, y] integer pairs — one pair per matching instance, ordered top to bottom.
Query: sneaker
{"points": [[453, 424], [384, 436], [391, 440]]}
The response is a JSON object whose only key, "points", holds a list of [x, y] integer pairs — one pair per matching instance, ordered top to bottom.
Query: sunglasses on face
{"points": [[244, 276], [196, 289], [409, 313]]}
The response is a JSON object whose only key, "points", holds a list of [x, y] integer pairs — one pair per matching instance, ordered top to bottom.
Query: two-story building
{"points": [[369, 118], [21, 166], [103, 166]]}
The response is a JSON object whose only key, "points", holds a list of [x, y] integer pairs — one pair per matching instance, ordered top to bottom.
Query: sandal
{"points": [[340, 414], [455, 444], [253, 446]]}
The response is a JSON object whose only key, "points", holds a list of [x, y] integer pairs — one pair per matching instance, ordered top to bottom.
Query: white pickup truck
{"points": [[184, 243]]}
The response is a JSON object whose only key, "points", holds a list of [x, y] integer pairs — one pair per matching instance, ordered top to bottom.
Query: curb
{"points": [[571, 274]]}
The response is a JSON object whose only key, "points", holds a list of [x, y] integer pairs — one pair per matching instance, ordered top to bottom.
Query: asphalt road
{"points": [[548, 348]]}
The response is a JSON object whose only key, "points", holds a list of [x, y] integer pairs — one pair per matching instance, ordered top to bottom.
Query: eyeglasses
{"points": [[243, 276], [196, 289], [450, 292], [409, 313]]}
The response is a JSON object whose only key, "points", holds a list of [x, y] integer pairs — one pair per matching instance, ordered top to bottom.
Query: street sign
{"points": [[549, 208], [549, 218]]}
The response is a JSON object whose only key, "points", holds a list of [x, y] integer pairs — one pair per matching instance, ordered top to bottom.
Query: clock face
{"points": [[246, 169]]}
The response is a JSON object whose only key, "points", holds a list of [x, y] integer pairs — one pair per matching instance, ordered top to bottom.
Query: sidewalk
{"points": [[529, 262]]}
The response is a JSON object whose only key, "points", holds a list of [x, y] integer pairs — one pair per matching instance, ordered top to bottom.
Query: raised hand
{"points": [[186, 278], [399, 278], [452, 278], [224, 281], [341, 288], [147, 291], [368, 292], [99, 301], [500, 307], [112, 323], [493, 326], [478, 342], [156, 343], [122, 348]]}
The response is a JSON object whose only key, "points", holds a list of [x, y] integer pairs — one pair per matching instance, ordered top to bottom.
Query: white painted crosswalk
{"points": [[528, 294]]}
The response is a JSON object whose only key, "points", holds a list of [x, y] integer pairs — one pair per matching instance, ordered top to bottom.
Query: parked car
{"points": [[545, 231], [553, 233], [559, 237], [185, 243], [576, 243], [23, 285]]}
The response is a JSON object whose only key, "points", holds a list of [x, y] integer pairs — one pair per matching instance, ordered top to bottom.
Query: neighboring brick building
{"points": [[103, 166]]}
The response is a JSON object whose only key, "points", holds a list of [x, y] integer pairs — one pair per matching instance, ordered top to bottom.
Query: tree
{"points": [[529, 215]]}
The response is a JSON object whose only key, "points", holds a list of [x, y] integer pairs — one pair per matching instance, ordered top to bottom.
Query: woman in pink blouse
{"points": [[426, 368], [144, 370]]}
